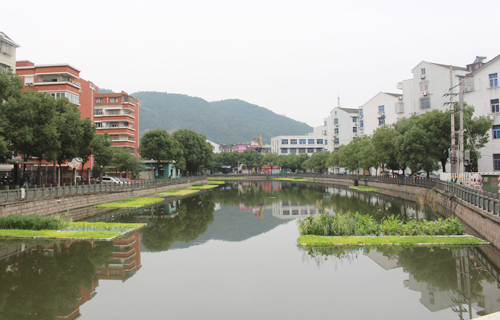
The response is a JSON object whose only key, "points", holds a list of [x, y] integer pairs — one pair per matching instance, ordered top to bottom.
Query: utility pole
{"points": [[453, 149], [461, 155]]}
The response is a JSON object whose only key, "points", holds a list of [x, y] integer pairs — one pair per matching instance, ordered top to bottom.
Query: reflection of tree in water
{"points": [[194, 216], [436, 266], [38, 285]]}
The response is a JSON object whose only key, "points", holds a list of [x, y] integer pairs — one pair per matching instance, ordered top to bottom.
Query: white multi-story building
{"points": [[7, 53], [426, 90], [481, 90], [384, 108], [341, 127], [299, 144], [215, 147]]}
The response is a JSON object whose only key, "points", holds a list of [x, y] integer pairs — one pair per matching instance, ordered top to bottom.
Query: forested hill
{"points": [[227, 121]]}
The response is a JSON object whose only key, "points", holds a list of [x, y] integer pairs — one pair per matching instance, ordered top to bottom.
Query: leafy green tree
{"points": [[11, 86], [85, 146], [160, 146], [102, 150], [197, 152], [385, 154], [227, 158], [251, 158], [269, 158], [123, 160], [317, 161]]}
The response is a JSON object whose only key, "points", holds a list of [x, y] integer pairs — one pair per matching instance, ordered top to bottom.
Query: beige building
{"points": [[7, 53]]}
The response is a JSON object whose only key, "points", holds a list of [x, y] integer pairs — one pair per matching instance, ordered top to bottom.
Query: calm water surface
{"points": [[231, 253]]}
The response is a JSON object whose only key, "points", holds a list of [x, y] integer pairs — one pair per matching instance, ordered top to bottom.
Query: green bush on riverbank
{"points": [[32, 222], [349, 224]]}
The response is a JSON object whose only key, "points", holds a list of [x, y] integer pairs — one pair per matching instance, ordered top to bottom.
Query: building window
{"points": [[5, 48], [4, 67], [423, 71], [493, 80], [424, 85], [114, 99], [98, 100], [425, 103], [494, 106], [381, 109], [98, 112], [361, 112], [354, 119], [335, 121], [381, 121], [325, 123], [361, 123], [98, 124], [113, 124], [354, 129], [336, 130], [324, 132], [496, 132], [284, 141], [293, 141], [302, 141], [310, 141], [319, 141], [336, 141], [326, 142], [319, 149], [284, 150], [293, 150], [302, 150], [310, 150], [496, 162]]}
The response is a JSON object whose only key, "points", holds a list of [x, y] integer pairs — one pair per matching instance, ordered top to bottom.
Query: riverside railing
{"points": [[45, 191]]}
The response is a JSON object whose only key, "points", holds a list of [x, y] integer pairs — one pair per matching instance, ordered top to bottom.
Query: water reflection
{"points": [[455, 278], [52, 279]]}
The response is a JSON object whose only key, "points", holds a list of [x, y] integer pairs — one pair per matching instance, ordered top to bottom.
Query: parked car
{"points": [[423, 175], [110, 179]]}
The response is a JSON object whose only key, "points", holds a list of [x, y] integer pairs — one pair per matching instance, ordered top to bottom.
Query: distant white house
{"points": [[7, 53], [380, 110], [341, 127], [299, 144], [215, 147]]}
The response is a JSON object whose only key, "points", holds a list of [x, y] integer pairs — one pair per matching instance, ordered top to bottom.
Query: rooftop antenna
{"points": [[338, 100]]}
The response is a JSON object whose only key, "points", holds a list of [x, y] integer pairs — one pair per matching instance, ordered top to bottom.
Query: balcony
{"points": [[60, 78], [114, 112], [114, 125]]}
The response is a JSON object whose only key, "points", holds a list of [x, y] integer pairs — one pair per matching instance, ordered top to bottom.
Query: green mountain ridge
{"points": [[223, 122]]}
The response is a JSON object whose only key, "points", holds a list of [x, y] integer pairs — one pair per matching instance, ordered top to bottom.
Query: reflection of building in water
{"points": [[289, 210], [126, 259], [381, 259], [466, 301]]}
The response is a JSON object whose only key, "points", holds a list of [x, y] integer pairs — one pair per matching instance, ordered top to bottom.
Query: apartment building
{"points": [[7, 53], [427, 88], [481, 90], [384, 108], [118, 115], [341, 127], [299, 144]]}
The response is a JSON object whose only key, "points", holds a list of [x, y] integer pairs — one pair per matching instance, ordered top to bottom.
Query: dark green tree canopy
{"points": [[160, 146], [197, 152]]}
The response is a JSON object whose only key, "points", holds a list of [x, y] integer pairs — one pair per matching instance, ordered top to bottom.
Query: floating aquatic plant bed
{"points": [[295, 179], [215, 182], [202, 187], [364, 188], [171, 193], [130, 203], [76, 230], [322, 241]]}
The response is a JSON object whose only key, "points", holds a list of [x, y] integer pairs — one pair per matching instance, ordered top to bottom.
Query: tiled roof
{"points": [[481, 67]]}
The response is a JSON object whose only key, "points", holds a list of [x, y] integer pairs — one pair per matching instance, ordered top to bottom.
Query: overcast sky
{"points": [[292, 57]]}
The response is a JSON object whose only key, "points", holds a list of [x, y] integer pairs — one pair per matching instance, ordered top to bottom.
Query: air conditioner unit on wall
{"points": [[422, 76], [424, 93], [400, 97], [491, 117]]}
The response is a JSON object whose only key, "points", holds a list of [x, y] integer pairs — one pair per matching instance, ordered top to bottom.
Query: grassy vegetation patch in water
{"points": [[295, 179], [215, 182], [202, 187], [364, 188], [175, 193], [130, 203], [32, 222], [77, 230], [312, 240]]}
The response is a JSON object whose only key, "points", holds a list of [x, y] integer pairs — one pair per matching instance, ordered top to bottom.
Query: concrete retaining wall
{"points": [[63, 203]]}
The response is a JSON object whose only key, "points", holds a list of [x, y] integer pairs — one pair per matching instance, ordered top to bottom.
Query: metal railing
{"points": [[35, 192]]}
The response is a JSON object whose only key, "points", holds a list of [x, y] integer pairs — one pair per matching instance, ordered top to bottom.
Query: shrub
{"points": [[32, 222]]}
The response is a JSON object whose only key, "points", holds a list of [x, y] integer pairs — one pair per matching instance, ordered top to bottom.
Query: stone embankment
{"points": [[62, 203]]}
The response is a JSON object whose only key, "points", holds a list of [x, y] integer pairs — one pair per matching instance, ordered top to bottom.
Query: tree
{"points": [[11, 86], [29, 125], [85, 145], [160, 146], [101, 148], [197, 152], [385, 153], [227, 158], [251, 158], [123, 160], [317, 161]]}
